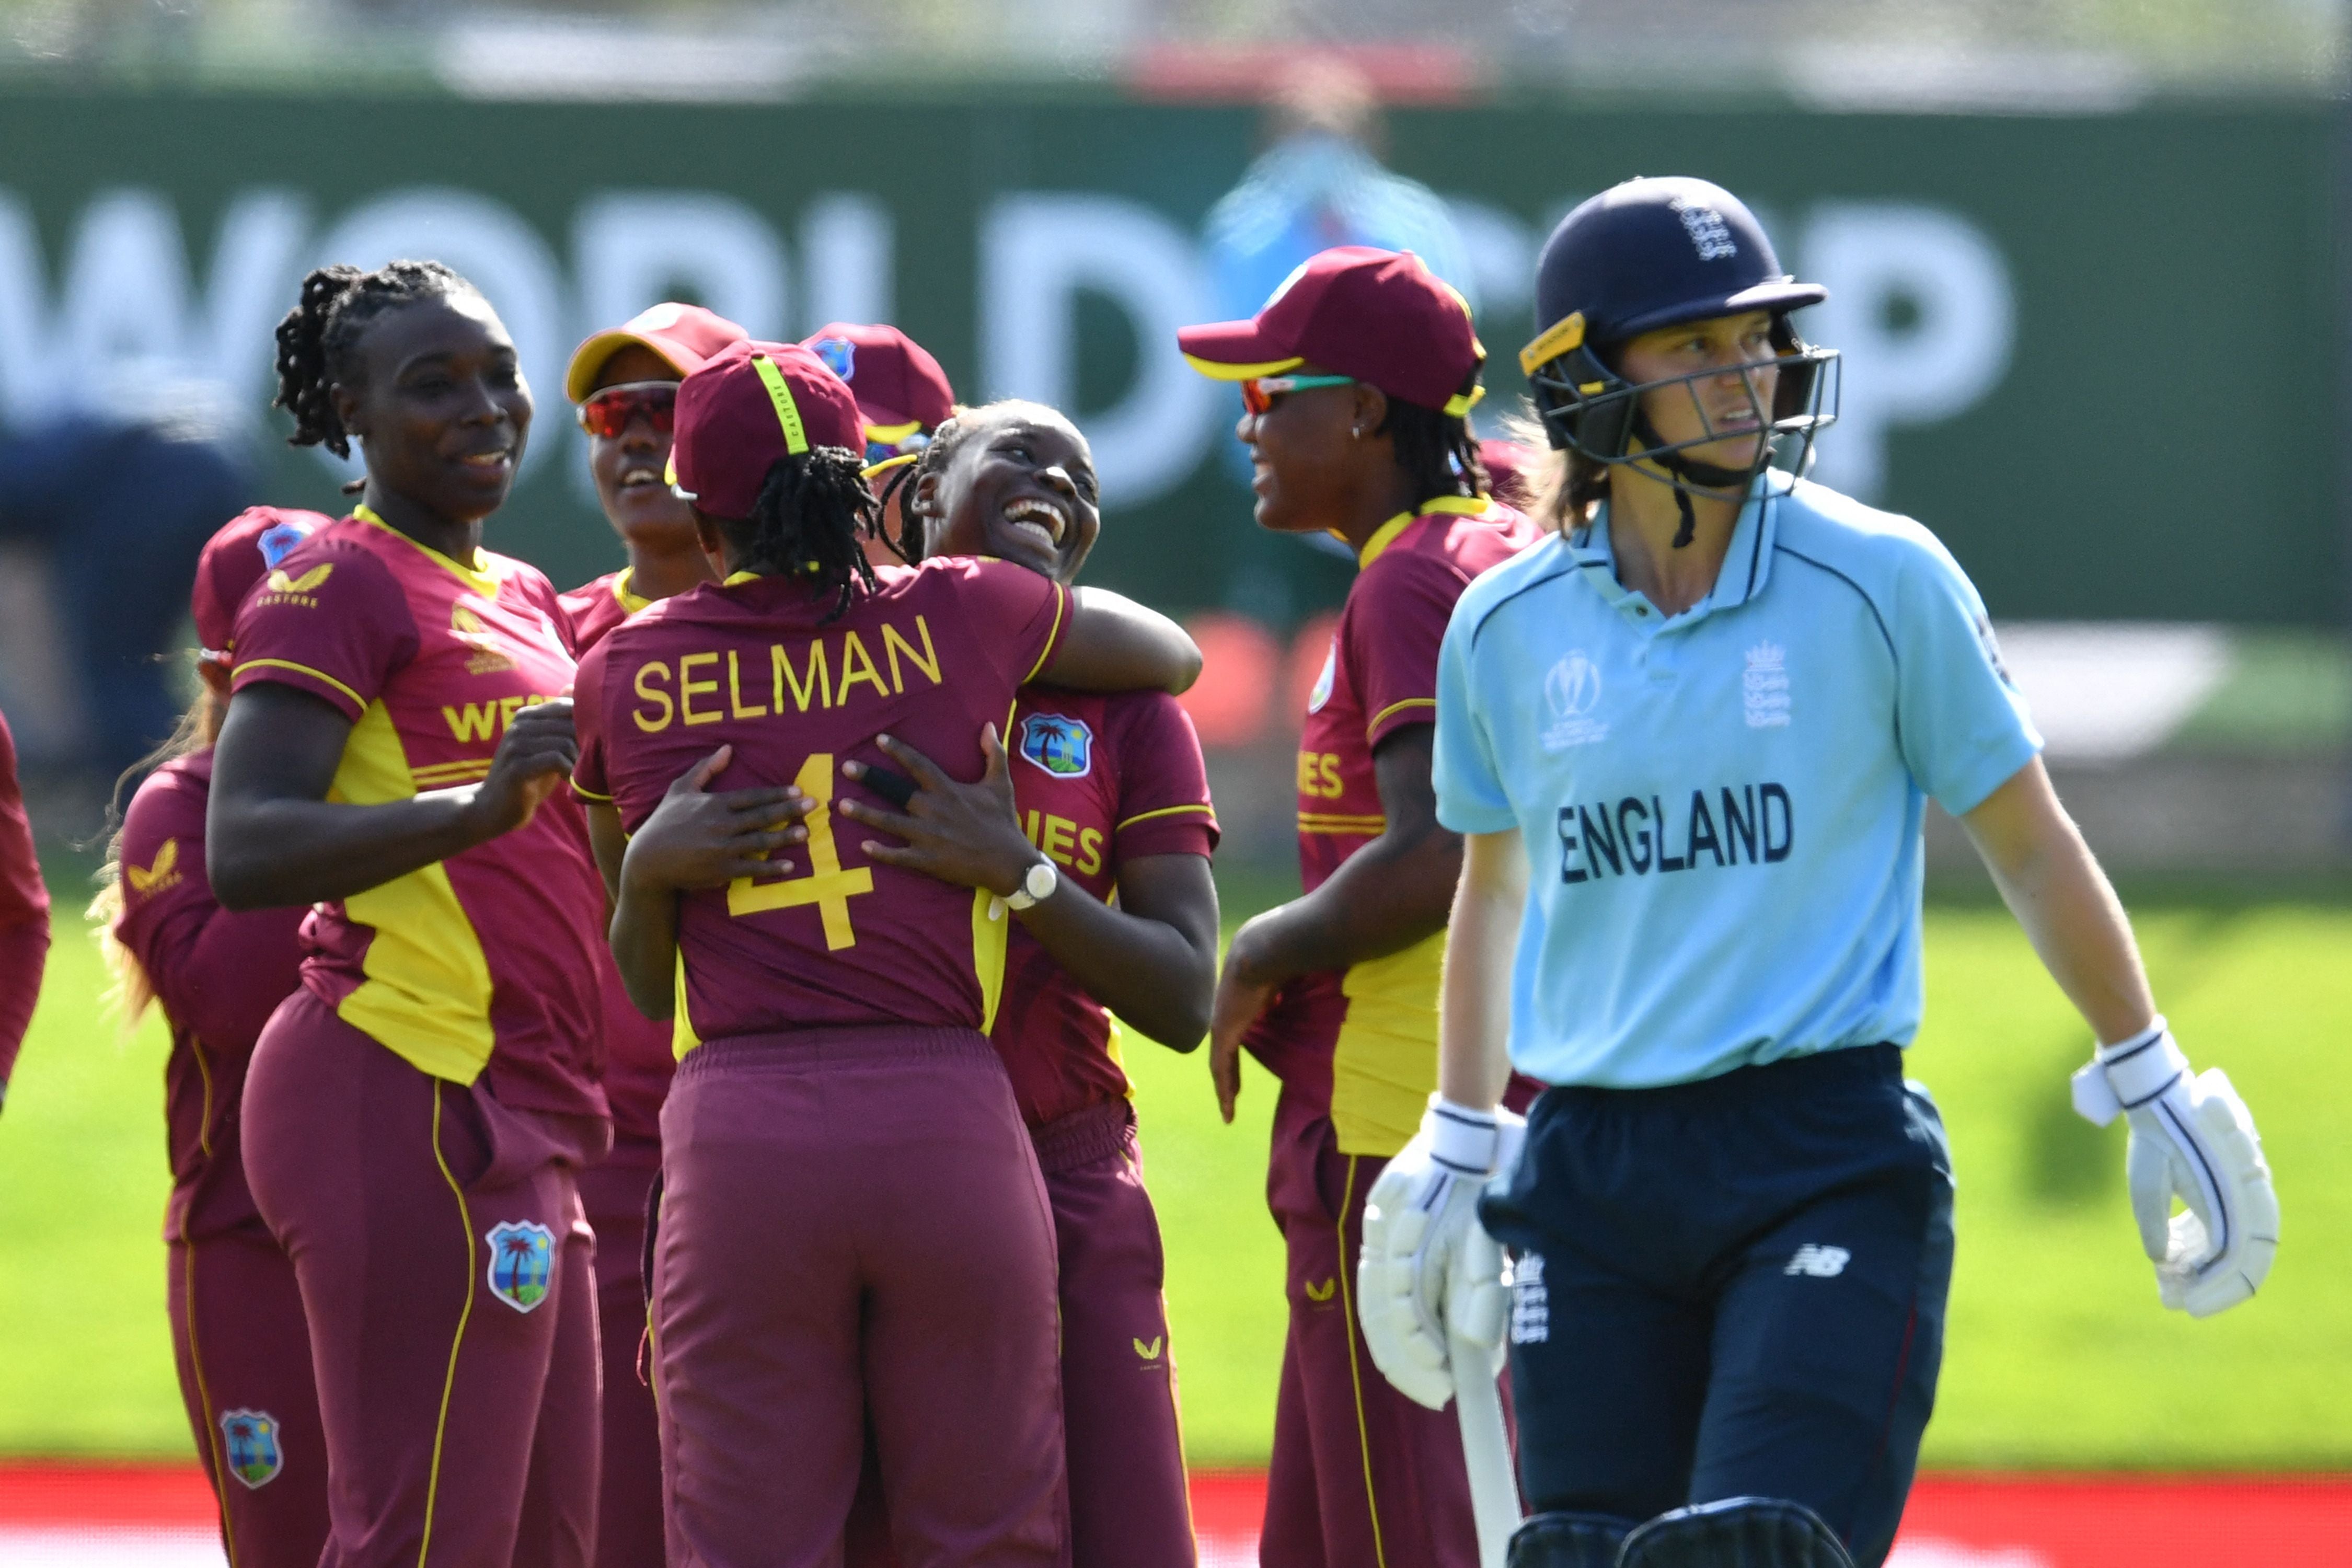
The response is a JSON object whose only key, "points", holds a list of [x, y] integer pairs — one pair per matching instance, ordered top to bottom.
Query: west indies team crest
{"points": [[1063, 746], [522, 1263], [255, 1456]]}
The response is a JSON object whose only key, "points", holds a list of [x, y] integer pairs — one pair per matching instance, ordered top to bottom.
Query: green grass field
{"points": [[2058, 1354]]}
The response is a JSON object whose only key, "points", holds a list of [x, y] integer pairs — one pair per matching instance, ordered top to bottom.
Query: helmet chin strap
{"points": [[1692, 474]]}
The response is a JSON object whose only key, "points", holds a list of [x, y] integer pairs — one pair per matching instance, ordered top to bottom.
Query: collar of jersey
{"points": [[1386, 535], [1745, 564], [481, 577], [740, 578], [621, 594]]}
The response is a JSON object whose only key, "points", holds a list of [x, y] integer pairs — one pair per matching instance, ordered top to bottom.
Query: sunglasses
{"points": [[1259, 391], [608, 412]]}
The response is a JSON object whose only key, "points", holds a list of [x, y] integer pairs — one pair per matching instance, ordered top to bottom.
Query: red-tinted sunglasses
{"points": [[1259, 391], [607, 413]]}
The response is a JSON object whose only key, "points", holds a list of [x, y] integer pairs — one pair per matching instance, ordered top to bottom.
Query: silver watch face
{"points": [[1041, 879]]}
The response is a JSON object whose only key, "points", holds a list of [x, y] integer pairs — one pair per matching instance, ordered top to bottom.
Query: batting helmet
{"points": [[1654, 253]]}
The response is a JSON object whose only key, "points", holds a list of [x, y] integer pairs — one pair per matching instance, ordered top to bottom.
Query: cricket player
{"points": [[1356, 379], [625, 381], [1688, 741], [1107, 793], [24, 915], [415, 1114], [852, 1230], [238, 1338]]}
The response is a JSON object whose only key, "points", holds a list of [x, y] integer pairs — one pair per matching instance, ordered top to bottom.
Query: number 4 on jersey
{"points": [[826, 886]]}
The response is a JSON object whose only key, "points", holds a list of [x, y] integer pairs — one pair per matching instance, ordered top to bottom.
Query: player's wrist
{"points": [[1040, 879], [1462, 1138]]}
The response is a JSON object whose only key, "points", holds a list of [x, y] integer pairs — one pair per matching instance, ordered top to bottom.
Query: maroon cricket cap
{"points": [[1379, 316], [685, 336], [900, 389], [748, 406], [250, 543]]}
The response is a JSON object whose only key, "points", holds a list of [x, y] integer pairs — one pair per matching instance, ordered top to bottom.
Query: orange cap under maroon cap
{"points": [[1379, 316], [685, 336], [900, 389], [748, 407], [249, 545]]}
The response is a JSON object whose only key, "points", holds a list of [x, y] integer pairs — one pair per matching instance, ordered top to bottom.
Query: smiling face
{"points": [[1732, 345], [441, 407], [1312, 451], [628, 467], [1020, 485]]}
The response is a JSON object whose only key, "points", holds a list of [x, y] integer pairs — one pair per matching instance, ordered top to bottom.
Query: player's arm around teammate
{"points": [[1691, 740], [1106, 792], [416, 1113], [854, 1239], [239, 1342]]}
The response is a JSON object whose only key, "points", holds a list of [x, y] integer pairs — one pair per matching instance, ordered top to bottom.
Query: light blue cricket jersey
{"points": [[1722, 811]]}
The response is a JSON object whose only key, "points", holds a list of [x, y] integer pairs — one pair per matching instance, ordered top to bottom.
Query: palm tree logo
{"points": [[522, 1263], [253, 1456]]}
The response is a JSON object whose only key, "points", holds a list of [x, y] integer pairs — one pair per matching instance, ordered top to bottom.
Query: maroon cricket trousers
{"points": [[853, 1234], [445, 1267], [244, 1358], [1361, 1476], [629, 1532]]}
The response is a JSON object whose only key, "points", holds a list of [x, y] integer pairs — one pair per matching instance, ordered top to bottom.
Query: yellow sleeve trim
{"points": [[1061, 601], [301, 669], [1381, 717], [584, 792], [1208, 811], [1316, 821]]}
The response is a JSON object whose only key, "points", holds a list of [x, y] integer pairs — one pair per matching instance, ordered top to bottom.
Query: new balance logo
{"points": [[1821, 1262]]}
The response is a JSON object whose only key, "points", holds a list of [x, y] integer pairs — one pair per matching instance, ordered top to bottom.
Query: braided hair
{"points": [[318, 341], [1437, 450], [814, 514]]}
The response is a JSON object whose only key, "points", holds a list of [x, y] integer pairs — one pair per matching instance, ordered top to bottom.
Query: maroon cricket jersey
{"points": [[596, 607], [928, 657], [1099, 780], [23, 912], [469, 966], [218, 974], [1360, 1044], [637, 1060]]}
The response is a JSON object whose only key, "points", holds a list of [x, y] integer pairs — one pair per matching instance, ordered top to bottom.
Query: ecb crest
{"points": [[1062, 746], [522, 1263], [255, 1456]]}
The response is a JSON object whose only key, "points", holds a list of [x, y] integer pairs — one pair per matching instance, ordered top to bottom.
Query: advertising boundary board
{"points": [[2095, 354]]}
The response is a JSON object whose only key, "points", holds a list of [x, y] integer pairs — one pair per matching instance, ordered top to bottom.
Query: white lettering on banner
{"points": [[488, 243], [850, 244], [634, 248], [1038, 252], [1873, 257], [126, 331]]}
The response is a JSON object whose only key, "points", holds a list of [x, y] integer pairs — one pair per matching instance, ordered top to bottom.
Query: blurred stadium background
{"points": [[2087, 270]]}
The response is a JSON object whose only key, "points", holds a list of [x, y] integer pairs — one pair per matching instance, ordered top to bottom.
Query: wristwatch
{"points": [[1038, 884]]}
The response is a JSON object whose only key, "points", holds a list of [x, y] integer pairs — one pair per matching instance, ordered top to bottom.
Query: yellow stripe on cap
{"points": [[1554, 340], [1216, 372], [1461, 403], [788, 412], [891, 435]]}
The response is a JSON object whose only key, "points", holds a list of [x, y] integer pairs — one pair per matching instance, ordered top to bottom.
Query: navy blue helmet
{"points": [[1654, 253]]}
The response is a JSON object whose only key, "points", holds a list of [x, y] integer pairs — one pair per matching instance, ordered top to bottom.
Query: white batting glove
{"points": [[2191, 1138], [1424, 1249]]}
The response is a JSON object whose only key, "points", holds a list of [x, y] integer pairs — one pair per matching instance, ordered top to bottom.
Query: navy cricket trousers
{"points": [[1731, 1287]]}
